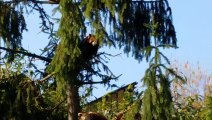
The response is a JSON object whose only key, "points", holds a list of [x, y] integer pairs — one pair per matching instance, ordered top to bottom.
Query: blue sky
{"points": [[193, 24]]}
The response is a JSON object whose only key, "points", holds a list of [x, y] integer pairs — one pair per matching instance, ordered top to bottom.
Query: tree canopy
{"points": [[128, 24]]}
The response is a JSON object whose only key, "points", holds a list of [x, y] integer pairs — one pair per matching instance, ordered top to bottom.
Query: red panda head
{"points": [[92, 40]]}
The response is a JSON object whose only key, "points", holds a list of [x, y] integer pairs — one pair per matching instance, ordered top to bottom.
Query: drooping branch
{"points": [[39, 2], [54, 2], [27, 54]]}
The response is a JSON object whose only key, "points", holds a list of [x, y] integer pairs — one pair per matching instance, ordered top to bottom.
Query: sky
{"points": [[193, 24]]}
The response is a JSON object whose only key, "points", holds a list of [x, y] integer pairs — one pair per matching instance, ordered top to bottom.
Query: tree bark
{"points": [[73, 101]]}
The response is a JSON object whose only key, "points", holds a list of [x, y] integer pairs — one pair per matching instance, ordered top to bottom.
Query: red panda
{"points": [[89, 47]]}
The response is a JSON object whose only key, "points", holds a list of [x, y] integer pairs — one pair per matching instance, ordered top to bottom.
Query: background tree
{"points": [[126, 19], [193, 98], [157, 99]]}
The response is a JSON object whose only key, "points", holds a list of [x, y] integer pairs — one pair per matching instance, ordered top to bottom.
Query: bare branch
{"points": [[27, 54], [111, 55], [45, 78], [100, 82]]}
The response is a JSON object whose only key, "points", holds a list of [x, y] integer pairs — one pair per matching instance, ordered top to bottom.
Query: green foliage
{"points": [[127, 22], [130, 24], [12, 25], [136, 33], [64, 62], [17, 97], [21, 97], [157, 99], [189, 101], [125, 103], [130, 104], [193, 107], [189, 108], [206, 113]]}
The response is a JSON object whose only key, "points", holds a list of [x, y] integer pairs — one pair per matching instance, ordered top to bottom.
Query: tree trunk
{"points": [[73, 101]]}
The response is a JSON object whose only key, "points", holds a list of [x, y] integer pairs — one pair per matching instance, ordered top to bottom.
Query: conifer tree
{"points": [[124, 23], [157, 99]]}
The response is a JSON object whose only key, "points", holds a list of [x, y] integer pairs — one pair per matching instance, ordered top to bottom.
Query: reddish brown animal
{"points": [[89, 47]]}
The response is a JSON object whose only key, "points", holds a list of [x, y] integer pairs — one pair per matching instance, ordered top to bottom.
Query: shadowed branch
{"points": [[27, 54]]}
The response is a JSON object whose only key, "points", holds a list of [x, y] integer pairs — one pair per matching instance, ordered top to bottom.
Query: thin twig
{"points": [[104, 53], [45, 78], [100, 82]]}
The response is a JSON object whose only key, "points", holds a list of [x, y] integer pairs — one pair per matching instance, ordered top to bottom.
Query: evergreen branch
{"points": [[37, 2], [54, 2], [167, 46], [27, 54], [165, 58], [38, 81], [56, 106], [51, 109]]}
